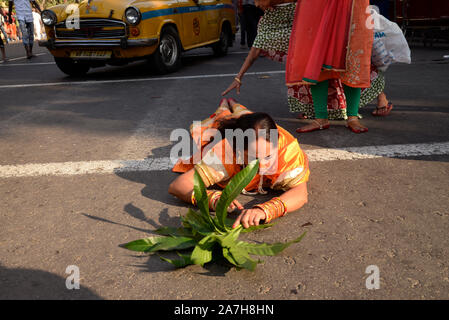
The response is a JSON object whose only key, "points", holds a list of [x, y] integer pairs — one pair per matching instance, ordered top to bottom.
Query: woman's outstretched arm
{"points": [[237, 83], [182, 186]]}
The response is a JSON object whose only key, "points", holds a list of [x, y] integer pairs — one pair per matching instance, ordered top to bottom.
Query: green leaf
{"points": [[233, 189], [201, 198], [229, 222], [198, 223], [259, 227], [171, 231], [230, 239], [153, 244], [265, 249], [202, 253], [240, 258], [179, 263]]}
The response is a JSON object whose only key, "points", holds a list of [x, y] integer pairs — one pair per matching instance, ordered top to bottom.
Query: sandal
{"points": [[383, 111], [320, 127], [360, 128]]}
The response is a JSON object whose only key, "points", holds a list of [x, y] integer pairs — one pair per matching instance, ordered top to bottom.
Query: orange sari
{"points": [[330, 40], [292, 163]]}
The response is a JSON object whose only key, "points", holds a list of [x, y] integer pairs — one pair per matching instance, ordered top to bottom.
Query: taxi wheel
{"points": [[221, 47], [167, 57], [71, 67]]}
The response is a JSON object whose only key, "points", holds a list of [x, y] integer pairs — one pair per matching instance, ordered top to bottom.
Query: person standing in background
{"points": [[250, 17], [25, 18], [37, 25], [242, 25], [330, 40], [2, 45]]}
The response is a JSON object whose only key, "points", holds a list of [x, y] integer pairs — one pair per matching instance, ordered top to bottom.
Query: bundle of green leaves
{"points": [[211, 236]]}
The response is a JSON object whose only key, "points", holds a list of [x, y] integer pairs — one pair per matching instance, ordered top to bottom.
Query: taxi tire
{"points": [[221, 47], [157, 60], [71, 67]]}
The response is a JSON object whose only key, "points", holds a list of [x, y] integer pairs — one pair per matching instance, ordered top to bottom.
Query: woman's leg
{"points": [[319, 95], [383, 106], [352, 109]]}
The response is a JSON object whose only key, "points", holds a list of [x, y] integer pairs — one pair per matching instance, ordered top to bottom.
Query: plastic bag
{"points": [[390, 45]]}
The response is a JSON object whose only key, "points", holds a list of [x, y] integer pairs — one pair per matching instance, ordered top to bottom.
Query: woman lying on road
{"points": [[283, 165]]}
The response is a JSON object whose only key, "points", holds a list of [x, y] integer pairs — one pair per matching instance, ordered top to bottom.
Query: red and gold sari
{"points": [[330, 40]]}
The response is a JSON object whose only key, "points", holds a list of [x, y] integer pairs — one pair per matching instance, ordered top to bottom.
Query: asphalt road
{"points": [[391, 212]]}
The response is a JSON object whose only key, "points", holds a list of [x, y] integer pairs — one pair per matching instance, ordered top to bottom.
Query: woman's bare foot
{"points": [[232, 102], [224, 103], [384, 107], [317, 124], [355, 126]]}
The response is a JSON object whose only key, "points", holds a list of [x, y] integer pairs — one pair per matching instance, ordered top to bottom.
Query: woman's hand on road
{"points": [[249, 217]]}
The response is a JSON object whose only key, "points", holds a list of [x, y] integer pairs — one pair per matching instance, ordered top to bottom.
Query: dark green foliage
{"points": [[204, 233]]}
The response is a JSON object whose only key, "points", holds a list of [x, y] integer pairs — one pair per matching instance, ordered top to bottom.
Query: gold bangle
{"points": [[238, 80]]}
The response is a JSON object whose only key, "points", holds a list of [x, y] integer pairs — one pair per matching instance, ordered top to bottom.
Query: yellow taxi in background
{"points": [[94, 33]]}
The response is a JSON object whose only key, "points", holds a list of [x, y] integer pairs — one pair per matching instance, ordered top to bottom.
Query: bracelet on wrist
{"points": [[213, 197], [273, 209]]}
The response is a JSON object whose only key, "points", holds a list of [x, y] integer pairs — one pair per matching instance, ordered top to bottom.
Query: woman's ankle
{"points": [[322, 120]]}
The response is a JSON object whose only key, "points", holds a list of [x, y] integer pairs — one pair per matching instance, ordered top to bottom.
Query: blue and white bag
{"points": [[390, 45]]}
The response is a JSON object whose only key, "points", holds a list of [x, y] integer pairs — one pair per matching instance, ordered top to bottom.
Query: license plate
{"points": [[91, 54]]}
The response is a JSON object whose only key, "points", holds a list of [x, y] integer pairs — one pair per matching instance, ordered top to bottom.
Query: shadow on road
{"points": [[27, 284]]}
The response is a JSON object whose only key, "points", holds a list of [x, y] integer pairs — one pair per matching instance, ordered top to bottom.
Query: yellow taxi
{"points": [[94, 33]]}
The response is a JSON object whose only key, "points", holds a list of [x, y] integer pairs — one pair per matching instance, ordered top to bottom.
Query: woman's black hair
{"points": [[257, 121]]}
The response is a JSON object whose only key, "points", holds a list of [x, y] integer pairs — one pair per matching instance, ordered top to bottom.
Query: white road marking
{"points": [[21, 58], [3, 64], [26, 64], [93, 82], [163, 164]]}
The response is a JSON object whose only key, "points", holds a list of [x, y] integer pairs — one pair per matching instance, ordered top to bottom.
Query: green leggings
{"points": [[320, 93]]}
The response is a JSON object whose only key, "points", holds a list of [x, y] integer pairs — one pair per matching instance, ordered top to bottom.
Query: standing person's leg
{"points": [[246, 14], [252, 16], [30, 28], [242, 30], [25, 37], [2, 48], [320, 97], [384, 106], [352, 109]]}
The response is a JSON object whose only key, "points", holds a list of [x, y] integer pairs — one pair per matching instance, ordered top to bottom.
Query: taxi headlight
{"points": [[133, 16], [49, 17]]}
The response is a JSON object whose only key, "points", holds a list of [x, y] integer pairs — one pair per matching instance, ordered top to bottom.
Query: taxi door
{"points": [[212, 16], [193, 23]]}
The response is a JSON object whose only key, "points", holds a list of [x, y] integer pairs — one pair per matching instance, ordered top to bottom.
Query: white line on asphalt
{"points": [[21, 58], [2, 64], [26, 64], [71, 83], [162, 164]]}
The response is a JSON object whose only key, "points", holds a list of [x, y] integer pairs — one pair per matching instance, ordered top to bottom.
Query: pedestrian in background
{"points": [[250, 17], [25, 18], [37, 25], [242, 26], [3, 32], [330, 40]]}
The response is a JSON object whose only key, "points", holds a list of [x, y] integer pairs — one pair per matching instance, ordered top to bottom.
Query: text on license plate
{"points": [[91, 54]]}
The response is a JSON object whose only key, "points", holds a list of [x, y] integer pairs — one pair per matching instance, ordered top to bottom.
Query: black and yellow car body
{"points": [[99, 32]]}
